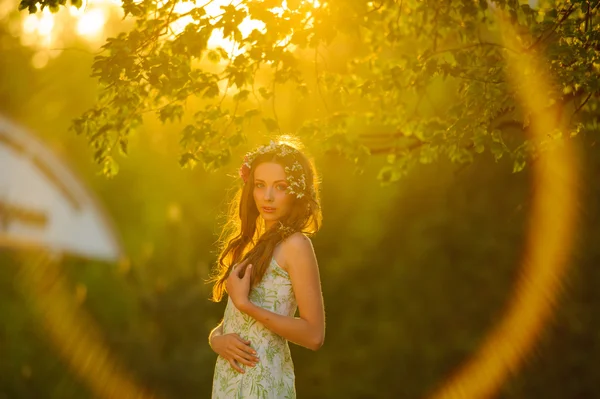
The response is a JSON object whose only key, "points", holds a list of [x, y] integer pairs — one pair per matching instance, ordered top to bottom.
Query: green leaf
{"points": [[213, 56], [302, 88], [211, 91], [266, 94], [242, 95], [170, 112], [251, 113], [271, 124], [236, 139], [123, 144], [188, 160], [519, 165], [110, 168], [385, 174]]}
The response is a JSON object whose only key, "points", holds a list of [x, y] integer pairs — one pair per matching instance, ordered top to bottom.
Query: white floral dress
{"points": [[273, 376]]}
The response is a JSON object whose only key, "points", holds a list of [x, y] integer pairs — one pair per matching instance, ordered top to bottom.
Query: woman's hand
{"points": [[238, 287], [234, 349]]}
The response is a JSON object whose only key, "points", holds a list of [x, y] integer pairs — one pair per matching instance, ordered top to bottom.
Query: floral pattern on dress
{"points": [[273, 376]]}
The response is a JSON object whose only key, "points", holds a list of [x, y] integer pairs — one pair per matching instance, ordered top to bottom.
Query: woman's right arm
{"points": [[232, 348]]}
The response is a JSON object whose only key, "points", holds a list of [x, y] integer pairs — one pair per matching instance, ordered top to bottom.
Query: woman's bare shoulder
{"points": [[298, 241], [297, 248]]}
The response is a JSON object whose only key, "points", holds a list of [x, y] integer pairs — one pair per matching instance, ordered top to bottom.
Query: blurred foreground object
{"points": [[43, 204], [46, 212]]}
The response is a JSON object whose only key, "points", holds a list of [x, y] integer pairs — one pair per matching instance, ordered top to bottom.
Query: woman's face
{"points": [[270, 192]]}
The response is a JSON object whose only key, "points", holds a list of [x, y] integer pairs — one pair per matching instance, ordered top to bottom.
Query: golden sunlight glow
{"points": [[181, 8], [74, 11], [46, 23], [91, 23], [245, 27], [37, 29], [44, 30], [216, 39], [40, 59], [549, 242], [544, 263], [74, 334]]}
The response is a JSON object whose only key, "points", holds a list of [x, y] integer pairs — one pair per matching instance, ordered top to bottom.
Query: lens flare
{"points": [[550, 232], [72, 332]]}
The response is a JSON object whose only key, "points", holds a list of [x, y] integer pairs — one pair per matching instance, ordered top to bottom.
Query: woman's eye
{"points": [[259, 185], [282, 187]]}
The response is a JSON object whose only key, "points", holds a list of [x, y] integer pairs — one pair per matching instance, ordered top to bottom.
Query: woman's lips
{"points": [[268, 210]]}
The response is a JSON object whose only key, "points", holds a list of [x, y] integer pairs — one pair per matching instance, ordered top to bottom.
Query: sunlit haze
{"points": [[44, 30]]}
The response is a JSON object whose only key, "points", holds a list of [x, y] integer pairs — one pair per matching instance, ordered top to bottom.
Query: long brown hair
{"points": [[242, 236]]}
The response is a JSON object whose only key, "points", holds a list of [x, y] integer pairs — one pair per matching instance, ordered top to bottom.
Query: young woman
{"points": [[268, 268]]}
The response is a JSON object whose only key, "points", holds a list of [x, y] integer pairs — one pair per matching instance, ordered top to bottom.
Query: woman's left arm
{"points": [[308, 330]]}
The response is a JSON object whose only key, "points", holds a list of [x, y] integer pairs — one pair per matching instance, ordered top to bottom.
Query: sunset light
{"points": [[91, 23], [47, 30], [191, 190]]}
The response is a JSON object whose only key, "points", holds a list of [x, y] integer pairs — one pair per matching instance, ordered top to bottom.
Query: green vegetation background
{"points": [[414, 274]]}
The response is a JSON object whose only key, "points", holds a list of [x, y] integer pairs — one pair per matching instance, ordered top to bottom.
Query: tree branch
{"points": [[543, 36], [468, 46], [317, 78], [582, 104], [387, 150]]}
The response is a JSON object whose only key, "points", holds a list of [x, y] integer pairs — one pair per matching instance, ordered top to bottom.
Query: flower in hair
{"points": [[244, 171], [294, 174], [296, 179], [285, 230]]}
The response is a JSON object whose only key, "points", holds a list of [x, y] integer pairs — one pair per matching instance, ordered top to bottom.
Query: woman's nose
{"points": [[269, 194]]}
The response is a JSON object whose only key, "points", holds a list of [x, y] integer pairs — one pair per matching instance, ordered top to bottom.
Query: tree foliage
{"points": [[364, 77], [437, 253]]}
